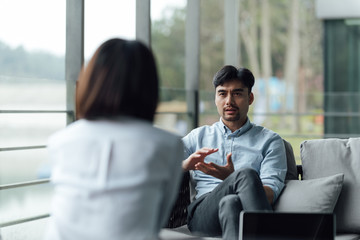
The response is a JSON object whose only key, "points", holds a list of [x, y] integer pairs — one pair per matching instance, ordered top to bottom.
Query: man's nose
{"points": [[229, 99]]}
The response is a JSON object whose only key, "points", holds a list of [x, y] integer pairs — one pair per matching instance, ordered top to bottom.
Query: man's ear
{"points": [[251, 98]]}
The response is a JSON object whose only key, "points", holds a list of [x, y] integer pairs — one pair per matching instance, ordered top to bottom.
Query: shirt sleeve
{"points": [[188, 145], [274, 166]]}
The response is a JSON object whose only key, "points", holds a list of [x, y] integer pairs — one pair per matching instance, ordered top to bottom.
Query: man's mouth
{"points": [[230, 110]]}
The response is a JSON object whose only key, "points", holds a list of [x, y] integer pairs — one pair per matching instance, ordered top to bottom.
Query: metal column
{"points": [[143, 22], [231, 22], [74, 56], [192, 61]]}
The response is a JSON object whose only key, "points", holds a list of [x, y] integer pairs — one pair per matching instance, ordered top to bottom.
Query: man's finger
{"points": [[207, 150], [229, 160], [203, 164], [216, 166], [201, 167], [204, 167]]}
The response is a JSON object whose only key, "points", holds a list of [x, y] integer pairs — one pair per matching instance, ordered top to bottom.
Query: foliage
{"points": [[169, 36], [211, 41], [168, 44], [20, 63]]}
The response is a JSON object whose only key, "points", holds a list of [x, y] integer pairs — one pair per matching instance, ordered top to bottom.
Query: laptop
{"points": [[284, 225]]}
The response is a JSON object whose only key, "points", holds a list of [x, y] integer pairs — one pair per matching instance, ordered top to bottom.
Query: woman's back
{"points": [[115, 179]]}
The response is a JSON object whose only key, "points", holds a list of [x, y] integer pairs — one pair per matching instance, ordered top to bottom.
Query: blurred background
{"points": [[305, 61]]}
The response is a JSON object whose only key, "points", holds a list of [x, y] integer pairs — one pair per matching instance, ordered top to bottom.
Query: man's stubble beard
{"points": [[232, 119]]}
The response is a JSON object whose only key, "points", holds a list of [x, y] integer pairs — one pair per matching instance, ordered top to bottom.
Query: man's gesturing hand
{"points": [[197, 157], [215, 170]]}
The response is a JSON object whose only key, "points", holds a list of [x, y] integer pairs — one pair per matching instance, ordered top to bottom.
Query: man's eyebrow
{"points": [[234, 90], [238, 90]]}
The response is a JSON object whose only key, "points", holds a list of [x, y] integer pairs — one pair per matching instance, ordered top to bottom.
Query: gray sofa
{"points": [[327, 181]]}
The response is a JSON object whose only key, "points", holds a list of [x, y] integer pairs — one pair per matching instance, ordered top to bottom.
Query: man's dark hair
{"points": [[229, 73], [120, 79]]}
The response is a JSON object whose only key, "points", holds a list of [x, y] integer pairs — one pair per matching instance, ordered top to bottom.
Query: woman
{"points": [[115, 175]]}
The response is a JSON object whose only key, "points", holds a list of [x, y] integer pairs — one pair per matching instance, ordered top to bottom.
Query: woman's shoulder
{"points": [[133, 130], [68, 131], [158, 134]]}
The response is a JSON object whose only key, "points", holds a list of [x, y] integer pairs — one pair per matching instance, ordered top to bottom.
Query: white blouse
{"points": [[114, 179]]}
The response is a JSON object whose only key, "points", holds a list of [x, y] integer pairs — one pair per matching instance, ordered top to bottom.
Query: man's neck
{"points": [[234, 125]]}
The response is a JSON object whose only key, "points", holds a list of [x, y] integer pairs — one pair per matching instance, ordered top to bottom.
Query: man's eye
{"points": [[237, 94]]}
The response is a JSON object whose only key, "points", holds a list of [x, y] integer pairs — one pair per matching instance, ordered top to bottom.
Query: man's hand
{"points": [[197, 157], [215, 170], [269, 194]]}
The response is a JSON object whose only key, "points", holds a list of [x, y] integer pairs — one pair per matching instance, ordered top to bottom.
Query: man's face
{"points": [[232, 100]]}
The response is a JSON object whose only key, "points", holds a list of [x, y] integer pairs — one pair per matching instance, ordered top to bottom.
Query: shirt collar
{"points": [[237, 132]]}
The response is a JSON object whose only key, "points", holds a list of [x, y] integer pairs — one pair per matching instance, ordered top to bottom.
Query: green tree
{"points": [[211, 41], [168, 44], [262, 52], [20, 63]]}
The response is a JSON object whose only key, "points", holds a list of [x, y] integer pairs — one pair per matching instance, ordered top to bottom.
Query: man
{"points": [[236, 164]]}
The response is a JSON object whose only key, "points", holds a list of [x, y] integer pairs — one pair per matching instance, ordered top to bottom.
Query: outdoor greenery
{"points": [[168, 37], [278, 39], [293, 50], [20, 63]]}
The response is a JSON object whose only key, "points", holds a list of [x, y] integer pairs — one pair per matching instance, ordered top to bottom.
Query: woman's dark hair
{"points": [[229, 73], [120, 79]]}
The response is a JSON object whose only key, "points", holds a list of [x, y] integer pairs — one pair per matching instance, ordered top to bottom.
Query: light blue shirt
{"points": [[251, 146]]}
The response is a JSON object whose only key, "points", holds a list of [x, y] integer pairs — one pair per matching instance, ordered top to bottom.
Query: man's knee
{"points": [[245, 173], [245, 177], [230, 202]]}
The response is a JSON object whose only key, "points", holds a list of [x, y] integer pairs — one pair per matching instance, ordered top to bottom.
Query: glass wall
{"points": [[107, 19], [288, 68], [342, 78], [290, 95], [32, 104]]}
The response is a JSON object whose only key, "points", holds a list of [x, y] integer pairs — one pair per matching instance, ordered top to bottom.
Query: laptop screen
{"points": [[276, 225]]}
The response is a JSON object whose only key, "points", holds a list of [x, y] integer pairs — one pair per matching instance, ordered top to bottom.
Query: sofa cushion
{"points": [[326, 157], [315, 195]]}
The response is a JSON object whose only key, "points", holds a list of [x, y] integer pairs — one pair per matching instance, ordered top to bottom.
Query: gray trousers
{"points": [[217, 213]]}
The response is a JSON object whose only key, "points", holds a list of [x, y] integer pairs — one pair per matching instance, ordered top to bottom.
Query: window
{"points": [[32, 106]]}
